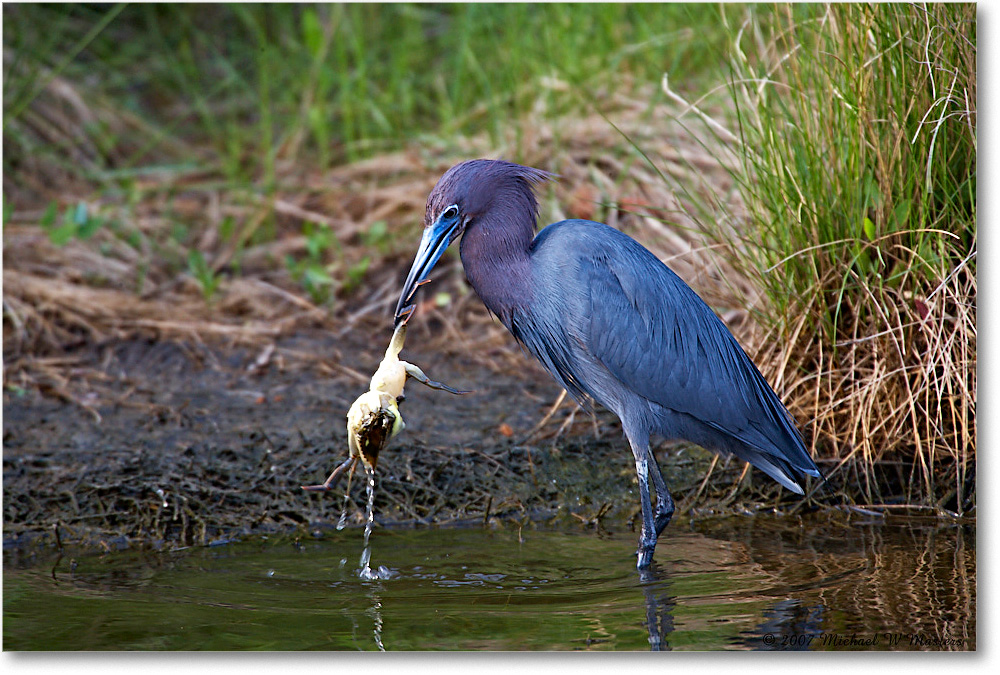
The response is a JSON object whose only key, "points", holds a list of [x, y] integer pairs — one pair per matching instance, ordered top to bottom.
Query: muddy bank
{"points": [[173, 443]]}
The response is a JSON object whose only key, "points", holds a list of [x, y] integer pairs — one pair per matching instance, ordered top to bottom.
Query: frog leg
{"points": [[418, 375], [334, 477]]}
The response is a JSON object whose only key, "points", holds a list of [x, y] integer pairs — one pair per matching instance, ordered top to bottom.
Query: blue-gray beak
{"points": [[435, 240]]}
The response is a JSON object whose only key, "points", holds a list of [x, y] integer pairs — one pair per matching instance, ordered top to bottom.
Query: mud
{"points": [[175, 444]]}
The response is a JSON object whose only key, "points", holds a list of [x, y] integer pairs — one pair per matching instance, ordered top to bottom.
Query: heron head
{"points": [[463, 196]]}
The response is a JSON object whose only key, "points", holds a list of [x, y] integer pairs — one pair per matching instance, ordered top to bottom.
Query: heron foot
{"points": [[645, 553], [645, 558]]}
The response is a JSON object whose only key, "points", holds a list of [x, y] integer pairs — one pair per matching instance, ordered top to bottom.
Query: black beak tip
{"points": [[403, 315]]}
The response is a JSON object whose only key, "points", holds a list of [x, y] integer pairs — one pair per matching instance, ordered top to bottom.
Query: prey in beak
{"points": [[374, 418]]}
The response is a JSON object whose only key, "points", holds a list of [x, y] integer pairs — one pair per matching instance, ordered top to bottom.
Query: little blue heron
{"points": [[610, 321]]}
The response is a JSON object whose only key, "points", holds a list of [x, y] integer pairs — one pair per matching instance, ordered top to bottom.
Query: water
{"points": [[365, 571], [744, 583]]}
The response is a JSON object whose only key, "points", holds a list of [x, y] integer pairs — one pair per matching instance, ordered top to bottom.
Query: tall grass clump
{"points": [[857, 127]]}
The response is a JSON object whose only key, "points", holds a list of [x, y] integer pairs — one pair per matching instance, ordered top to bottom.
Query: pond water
{"points": [[738, 583]]}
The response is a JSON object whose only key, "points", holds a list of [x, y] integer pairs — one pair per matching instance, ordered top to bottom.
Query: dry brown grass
{"points": [[103, 287], [894, 402]]}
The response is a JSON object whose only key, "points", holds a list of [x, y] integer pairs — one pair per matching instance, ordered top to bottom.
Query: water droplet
{"points": [[342, 523], [365, 572]]}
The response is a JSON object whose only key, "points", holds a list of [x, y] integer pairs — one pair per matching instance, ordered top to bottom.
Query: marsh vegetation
{"points": [[244, 185]]}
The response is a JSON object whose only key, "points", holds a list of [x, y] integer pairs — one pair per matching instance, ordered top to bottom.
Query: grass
{"points": [[246, 88], [129, 106], [857, 136], [248, 171]]}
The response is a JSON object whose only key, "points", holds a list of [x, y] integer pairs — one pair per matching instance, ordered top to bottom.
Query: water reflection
{"points": [[763, 583], [901, 584], [829, 585], [659, 606], [375, 612], [790, 625]]}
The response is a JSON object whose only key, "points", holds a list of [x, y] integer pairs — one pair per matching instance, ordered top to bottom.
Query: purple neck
{"points": [[494, 252]]}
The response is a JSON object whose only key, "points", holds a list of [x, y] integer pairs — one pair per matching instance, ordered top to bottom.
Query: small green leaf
{"points": [[900, 215], [49, 217], [227, 227], [88, 228], [869, 228], [377, 230], [62, 235], [377, 236], [134, 239], [318, 239], [196, 263], [202, 273], [356, 274], [317, 276]]}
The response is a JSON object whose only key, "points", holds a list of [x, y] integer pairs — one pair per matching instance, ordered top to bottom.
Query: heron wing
{"points": [[660, 339]]}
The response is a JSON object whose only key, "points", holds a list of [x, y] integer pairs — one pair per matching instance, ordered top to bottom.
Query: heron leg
{"points": [[664, 502], [647, 537]]}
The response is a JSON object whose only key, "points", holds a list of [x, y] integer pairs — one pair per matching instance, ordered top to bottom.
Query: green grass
{"points": [[243, 87], [134, 105], [857, 133], [863, 156]]}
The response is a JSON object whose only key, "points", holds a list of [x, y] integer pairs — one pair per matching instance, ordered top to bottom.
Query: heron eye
{"points": [[450, 212]]}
